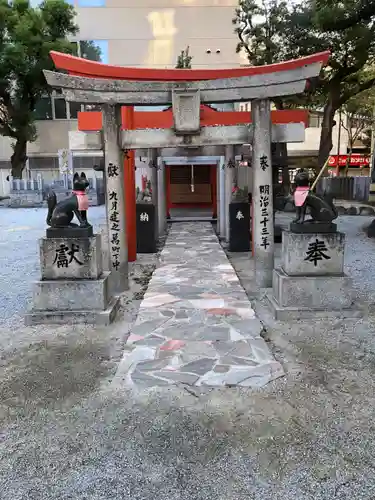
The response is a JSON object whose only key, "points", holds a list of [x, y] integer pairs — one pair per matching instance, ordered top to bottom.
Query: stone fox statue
{"points": [[321, 208], [61, 214]]}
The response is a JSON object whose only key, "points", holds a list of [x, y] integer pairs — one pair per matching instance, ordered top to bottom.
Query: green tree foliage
{"points": [[333, 15], [260, 28], [263, 29], [291, 31], [27, 35], [90, 51], [184, 59], [357, 119]]}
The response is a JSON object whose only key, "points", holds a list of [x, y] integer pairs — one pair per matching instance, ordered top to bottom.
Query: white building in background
{"points": [[132, 33], [149, 33]]}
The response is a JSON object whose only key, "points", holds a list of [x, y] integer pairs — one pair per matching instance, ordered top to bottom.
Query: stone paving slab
{"points": [[195, 324]]}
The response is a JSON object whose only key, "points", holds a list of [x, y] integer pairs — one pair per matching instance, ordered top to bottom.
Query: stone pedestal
{"points": [[229, 171], [153, 172], [162, 198], [223, 215], [146, 224], [239, 227], [70, 232], [312, 254], [311, 281], [73, 286]]}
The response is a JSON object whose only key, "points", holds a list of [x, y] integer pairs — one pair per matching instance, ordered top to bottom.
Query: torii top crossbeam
{"points": [[84, 67], [93, 82]]}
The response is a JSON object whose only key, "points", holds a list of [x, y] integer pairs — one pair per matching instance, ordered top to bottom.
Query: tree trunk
{"points": [[326, 144], [18, 158], [347, 163]]}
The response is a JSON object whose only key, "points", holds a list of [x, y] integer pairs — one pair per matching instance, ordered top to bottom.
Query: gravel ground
{"points": [[20, 230], [360, 255], [65, 435]]}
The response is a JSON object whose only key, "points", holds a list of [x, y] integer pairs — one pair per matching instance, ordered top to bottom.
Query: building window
{"points": [[91, 3], [94, 50], [243, 106], [54, 107], [92, 107], [60, 108], [74, 108], [43, 109], [315, 120]]}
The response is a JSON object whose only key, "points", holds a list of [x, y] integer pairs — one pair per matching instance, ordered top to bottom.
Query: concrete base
{"points": [[313, 292], [71, 295], [74, 301], [296, 313], [100, 318]]}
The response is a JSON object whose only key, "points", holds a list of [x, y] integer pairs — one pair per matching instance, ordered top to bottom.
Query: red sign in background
{"points": [[356, 160]]}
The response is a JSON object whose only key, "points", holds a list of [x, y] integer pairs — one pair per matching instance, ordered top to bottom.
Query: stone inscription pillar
{"points": [[153, 172], [229, 173], [162, 197], [218, 197], [222, 197], [116, 217], [263, 227]]}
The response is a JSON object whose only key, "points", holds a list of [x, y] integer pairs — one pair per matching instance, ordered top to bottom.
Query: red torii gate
{"points": [[143, 86], [91, 121]]}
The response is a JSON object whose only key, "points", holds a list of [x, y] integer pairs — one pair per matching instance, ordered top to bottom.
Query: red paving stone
{"points": [[222, 311], [172, 345]]}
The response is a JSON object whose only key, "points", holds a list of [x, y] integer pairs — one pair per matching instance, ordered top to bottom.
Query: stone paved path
{"points": [[196, 325]]}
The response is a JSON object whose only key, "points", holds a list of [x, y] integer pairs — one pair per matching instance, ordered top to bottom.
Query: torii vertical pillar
{"points": [[229, 171], [153, 172], [130, 197], [162, 197], [218, 197], [115, 206], [222, 220], [263, 229]]}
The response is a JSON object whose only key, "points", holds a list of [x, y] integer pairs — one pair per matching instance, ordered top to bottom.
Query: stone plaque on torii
{"points": [[186, 89]]}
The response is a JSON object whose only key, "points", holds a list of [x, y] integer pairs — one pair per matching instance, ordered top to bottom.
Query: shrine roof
{"points": [[78, 66]]}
